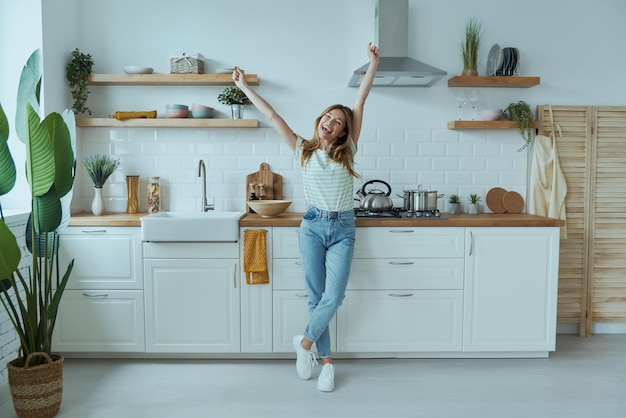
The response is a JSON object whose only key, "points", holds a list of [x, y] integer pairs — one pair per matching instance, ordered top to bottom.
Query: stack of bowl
{"points": [[176, 111], [201, 111]]}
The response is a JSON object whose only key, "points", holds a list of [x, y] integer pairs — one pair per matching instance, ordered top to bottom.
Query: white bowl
{"points": [[135, 69], [492, 114], [269, 208]]}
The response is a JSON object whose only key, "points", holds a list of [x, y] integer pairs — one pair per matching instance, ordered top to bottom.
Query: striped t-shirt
{"points": [[327, 185]]}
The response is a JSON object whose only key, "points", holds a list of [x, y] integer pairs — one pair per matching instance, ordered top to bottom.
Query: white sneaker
{"points": [[305, 361], [326, 380]]}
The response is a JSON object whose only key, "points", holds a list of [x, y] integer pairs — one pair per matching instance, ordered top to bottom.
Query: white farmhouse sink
{"points": [[191, 226]]}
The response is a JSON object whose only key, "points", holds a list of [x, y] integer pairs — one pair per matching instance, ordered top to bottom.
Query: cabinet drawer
{"points": [[285, 242], [409, 242], [104, 257], [409, 273], [287, 274], [100, 321], [400, 321]]}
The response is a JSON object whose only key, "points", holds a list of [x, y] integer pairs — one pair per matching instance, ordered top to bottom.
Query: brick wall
{"points": [[9, 343]]}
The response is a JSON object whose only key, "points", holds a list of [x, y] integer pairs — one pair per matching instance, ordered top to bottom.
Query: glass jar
{"points": [[154, 190]]}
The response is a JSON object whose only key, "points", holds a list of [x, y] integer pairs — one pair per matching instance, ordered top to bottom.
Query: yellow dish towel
{"points": [[255, 256]]}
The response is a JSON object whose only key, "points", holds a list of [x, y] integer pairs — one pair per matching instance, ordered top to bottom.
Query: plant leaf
{"points": [[28, 92], [63, 153], [7, 165], [40, 169], [47, 212], [10, 255]]}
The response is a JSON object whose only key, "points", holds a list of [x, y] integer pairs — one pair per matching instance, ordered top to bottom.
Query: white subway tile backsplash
{"points": [[449, 161]]}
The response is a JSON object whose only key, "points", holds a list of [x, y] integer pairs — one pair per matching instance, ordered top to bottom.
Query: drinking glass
{"points": [[472, 97], [461, 99]]}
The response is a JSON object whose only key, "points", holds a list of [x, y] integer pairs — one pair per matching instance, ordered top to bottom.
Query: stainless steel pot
{"points": [[375, 200], [426, 200]]}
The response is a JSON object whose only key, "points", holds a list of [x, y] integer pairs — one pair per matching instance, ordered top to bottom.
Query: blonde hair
{"points": [[340, 151]]}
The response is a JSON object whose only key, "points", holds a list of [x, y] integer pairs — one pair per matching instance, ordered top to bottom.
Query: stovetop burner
{"points": [[398, 213]]}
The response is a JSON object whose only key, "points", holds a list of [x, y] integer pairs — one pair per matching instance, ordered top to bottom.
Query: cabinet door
{"points": [[104, 257], [511, 284], [192, 306], [291, 314], [100, 321], [400, 321]]}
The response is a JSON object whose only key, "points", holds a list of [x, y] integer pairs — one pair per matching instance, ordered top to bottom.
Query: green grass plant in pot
{"points": [[471, 46], [236, 99], [100, 168], [31, 295]]}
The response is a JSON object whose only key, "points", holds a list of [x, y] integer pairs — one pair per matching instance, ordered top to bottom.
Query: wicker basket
{"points": [[186, 64], [36, 391]]}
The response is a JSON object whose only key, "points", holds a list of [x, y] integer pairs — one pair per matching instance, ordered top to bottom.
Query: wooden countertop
{"points": [[294, 218]]}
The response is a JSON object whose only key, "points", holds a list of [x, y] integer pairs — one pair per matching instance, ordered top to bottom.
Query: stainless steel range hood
{"points": [[395, 68]]}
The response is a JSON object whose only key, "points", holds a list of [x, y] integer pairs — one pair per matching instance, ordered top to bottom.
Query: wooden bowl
{"points": [[269, 208]]}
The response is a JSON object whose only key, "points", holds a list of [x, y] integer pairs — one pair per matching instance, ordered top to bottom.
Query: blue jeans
{"points": [[326, 247]]}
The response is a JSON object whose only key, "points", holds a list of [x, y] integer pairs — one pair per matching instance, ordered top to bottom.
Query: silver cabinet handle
{"points": [[94, 231], [401, 231], [471, 248], [298, 263], [401, 263], [96, 295], [301, 295], [400, 295]]}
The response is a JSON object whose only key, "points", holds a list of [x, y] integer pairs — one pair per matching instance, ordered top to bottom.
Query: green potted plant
{"points": [[471, 46], [77, 73], [236, 99], [521, 113], [100, 168], [455, 204], [473, 204], [31, 296]]}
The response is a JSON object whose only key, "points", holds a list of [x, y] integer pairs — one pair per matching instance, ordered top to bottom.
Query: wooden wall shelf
{"points": [[166, 79], [493, 81], [166, 123], [483, 124]]}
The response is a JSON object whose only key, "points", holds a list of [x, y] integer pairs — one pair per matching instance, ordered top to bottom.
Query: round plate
{"points": [[494, 59], [135, 69], [494, 200], [513, 202]]}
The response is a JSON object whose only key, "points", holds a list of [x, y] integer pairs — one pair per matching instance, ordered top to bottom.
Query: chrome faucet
{"points": [[202, 173]]}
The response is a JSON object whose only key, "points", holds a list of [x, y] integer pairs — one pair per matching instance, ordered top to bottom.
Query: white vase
{"points": [[97, 205], [472, 209]]}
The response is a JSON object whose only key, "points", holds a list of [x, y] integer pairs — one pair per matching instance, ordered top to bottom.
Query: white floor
{"points": [[583, 378]]}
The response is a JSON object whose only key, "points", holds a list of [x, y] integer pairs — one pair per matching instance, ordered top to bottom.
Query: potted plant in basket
{"points": [[471, 46], [236, 99], [100, 168], [473, 205], [31, 295]]}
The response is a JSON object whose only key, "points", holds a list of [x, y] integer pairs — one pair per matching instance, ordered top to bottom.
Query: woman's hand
{"points": [[372, 52], [239, 77]]}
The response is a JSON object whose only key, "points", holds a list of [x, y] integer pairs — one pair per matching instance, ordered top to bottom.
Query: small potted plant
{"points": [[471, 46], [77, 74], [236, 99], [521, 113], [100, 169], [455, 204], [473, 204]]}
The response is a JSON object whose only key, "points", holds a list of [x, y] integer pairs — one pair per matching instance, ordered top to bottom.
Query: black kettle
{"points": [[375, 200]]}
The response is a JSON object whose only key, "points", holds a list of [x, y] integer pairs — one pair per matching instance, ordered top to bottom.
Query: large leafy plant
{"points": [[32, 299]]}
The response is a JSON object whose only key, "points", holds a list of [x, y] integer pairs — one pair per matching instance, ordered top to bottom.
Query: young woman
{"points": [[327, 230]]}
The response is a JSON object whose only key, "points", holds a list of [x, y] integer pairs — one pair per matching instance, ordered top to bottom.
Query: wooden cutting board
{"points": [[273, 183]]}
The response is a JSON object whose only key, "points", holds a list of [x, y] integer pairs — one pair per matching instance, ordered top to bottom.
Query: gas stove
{"points": [[397, 213]]}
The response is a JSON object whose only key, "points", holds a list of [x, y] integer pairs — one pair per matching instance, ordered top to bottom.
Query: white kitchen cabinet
{"points": [[104, 257], [511, 279], [405, 292], [192, 297], [256, 306], [102, 308], [100, 321]]}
